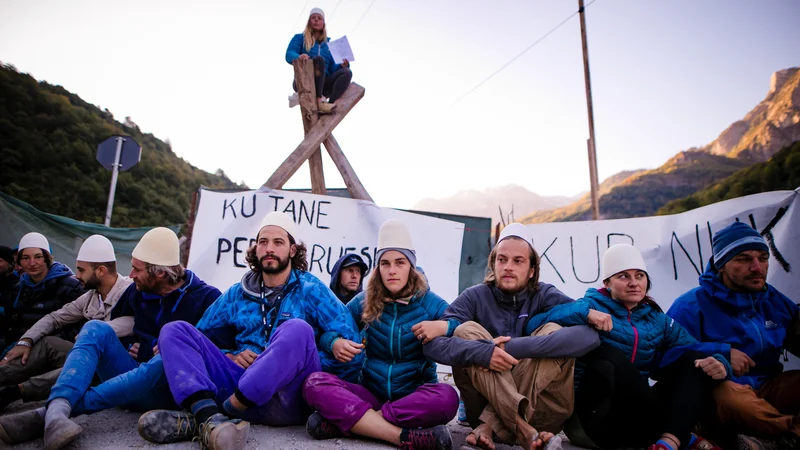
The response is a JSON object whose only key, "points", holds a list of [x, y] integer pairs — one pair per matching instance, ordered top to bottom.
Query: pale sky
{"points": [[211, 76]]}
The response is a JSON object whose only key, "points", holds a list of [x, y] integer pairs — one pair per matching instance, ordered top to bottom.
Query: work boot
{"points": [[325, 107], [162, 426], [21, 427], [319, 428], [60, 432], [221, 433], [436, 438]]}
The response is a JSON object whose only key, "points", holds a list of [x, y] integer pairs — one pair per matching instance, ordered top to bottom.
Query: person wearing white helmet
{"points": [[44, 287], [162, 291], [277, 315], [31, 368], [515, 383], [614, 402]]}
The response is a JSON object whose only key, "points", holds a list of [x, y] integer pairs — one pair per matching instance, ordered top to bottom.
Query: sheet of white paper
{"points": [[340, 49]]}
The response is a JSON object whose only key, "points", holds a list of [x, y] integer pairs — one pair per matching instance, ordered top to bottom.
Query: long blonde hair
{"points": [[308, 35], [374, 299]]}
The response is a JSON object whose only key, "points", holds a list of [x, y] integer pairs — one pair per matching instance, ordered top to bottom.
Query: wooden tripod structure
{"points": [[318, 131]]}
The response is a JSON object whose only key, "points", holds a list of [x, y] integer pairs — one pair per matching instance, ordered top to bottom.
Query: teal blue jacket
{"points": [[238, 313], [650, 338], [395, 365]]}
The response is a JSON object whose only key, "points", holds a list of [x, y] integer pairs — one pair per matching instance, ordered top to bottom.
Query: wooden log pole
{"points": [[307, 94], [316, 134], [349, 176]]}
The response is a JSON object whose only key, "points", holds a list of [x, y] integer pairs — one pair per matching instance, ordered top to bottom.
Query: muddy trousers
{"points": [[41, 371], [124, 381], [271, 387], [541, 391], [344, 404], [618, 407], [769, 411]]}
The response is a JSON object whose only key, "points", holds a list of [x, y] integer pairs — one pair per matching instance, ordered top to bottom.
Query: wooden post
{"points": [[307, 94], [590, 109], [318, 133], [349, 176]]}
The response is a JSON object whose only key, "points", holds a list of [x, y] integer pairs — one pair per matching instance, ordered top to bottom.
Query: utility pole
{"points": [[594, 184]]}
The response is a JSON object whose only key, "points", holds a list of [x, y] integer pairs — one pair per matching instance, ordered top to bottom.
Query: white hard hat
{"points": [[280, 220], [34, 240], [159, 247], [97, 249], [621, 257]]}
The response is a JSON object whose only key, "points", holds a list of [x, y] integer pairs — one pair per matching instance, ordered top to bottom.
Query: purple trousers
{"points": [[271, 387], [343, 404]]}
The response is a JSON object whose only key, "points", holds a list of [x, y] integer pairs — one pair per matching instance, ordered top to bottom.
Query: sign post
{"points": [[117, 153]]}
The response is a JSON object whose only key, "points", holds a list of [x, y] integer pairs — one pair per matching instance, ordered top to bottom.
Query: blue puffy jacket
{"points": [[297, 48], [304, 297], [151, 311], [755, 324], [650, 338], [395, 365]]}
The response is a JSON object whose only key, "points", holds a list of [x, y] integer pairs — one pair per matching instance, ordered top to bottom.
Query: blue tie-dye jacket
{"points": [[238, 314]]}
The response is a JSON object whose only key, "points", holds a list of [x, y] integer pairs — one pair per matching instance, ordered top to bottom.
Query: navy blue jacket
{"points": [[348, 259], [151, 312], [755, 323]]}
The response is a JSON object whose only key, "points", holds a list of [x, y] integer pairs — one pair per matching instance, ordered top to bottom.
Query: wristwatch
{"points": [[24, 343]]}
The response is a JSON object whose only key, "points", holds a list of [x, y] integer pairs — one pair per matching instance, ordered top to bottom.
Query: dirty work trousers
{"points": [[333, 86], [41, 371], [124, 381], [271, 387], [541, 391], [343, 404], [617, 406], [771, 410]]}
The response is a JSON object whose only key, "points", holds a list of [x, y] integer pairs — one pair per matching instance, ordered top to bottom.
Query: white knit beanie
{"points": [[317, 11], [280, 220], [516, 230], [394, 235], [34, 240], [159, 247], [97, 249], [621, 257]]}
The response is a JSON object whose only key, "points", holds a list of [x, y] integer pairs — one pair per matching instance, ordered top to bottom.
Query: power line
{"points": [[334, 9], [300, 16], [362, 17], [519, 55]]}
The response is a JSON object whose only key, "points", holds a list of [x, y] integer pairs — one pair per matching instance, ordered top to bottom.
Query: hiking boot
{"points": [[326, 108], [163, 426], [21, 427], [319, 428], [60, 432], [221, 433], [436, 438], [785, 440]]}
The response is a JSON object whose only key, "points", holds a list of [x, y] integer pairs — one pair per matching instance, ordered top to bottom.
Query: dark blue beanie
{"points": [[734, 239]]}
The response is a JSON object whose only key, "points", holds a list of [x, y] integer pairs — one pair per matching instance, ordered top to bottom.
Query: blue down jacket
{"points": [[297, 48], [238, 313], [755, 324], [650, 338], [395, 364]]}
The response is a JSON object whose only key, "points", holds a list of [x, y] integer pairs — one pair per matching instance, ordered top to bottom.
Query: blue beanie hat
{"points": [[734, 239]]}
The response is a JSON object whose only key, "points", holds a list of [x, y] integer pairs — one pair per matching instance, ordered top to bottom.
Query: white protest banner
{"points": [[227, 222], [676, 248]]}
